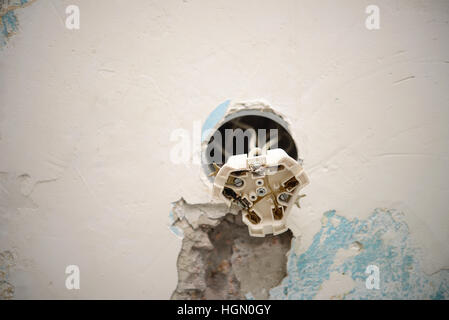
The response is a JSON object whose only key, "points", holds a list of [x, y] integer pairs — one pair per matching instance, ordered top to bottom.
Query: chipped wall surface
{"points": [[8, 19], [86, 118], [220, 260], [6, 262], [334, 265]]}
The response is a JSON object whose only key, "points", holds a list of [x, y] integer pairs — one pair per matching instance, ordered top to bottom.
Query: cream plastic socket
{"points": [[265, 186]]}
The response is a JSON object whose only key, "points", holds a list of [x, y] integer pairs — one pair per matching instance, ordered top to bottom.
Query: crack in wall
{"points": [[220, 260]]}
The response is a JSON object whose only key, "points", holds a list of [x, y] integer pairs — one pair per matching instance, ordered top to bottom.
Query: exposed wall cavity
{"points": [[8, 19], [270, 128], [220, 260], [6, 262]]}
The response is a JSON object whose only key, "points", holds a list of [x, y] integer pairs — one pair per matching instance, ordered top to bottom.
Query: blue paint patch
{"points": [[9, 22], [9, 26], [213, 118], [177, 231], [385, 242], [249, 296]]}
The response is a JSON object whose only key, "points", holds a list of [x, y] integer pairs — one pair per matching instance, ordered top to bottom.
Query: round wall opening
{"points": [[244, 130]]}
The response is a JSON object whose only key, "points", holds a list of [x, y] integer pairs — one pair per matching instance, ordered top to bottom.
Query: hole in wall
{"points": [[262, 122], [222, 261]]}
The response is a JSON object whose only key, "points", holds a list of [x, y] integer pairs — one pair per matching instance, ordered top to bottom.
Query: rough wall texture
{"points": [[8, 20], [86, 118], [218, 258], [6, 263], [334, 265]]}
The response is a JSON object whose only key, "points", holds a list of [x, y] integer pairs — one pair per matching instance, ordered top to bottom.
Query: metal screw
{"points": [[238, 182], [261, 192], [283, 197]]}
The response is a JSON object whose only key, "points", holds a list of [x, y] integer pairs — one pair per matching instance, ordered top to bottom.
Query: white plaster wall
{"points": [[86, 117]]}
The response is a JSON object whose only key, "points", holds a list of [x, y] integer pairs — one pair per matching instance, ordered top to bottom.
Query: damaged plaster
{"points": [[9, 23], [73, 109], [220, 260], [6, 263], [333, 266]]}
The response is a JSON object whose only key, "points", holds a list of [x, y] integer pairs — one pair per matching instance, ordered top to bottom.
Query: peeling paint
{"points": [[9, 24], [367, 142], [383, 239], [6, 262], [332, 267]]}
